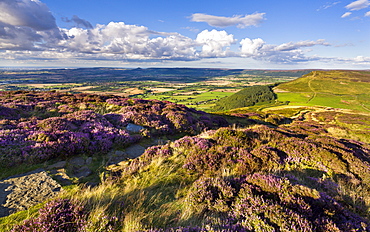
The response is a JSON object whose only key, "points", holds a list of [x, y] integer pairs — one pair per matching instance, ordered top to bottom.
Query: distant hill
{"points": [[337, 89], [246, 97]]}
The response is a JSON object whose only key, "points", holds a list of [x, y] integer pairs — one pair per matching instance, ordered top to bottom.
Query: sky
{"points": [[270, 34]]}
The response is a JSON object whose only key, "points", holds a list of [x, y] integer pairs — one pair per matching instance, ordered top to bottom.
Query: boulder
{"points": [[134, 128]]}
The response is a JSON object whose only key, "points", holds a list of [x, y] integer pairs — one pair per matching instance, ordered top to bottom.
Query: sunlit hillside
{"points": [[337, 89], [298, 162]]}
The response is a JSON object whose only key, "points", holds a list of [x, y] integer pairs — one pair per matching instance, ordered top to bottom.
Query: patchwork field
{"points": [[197, 88]]}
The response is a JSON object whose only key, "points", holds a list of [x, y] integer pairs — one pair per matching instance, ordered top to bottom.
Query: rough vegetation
{"points": [[38, 126], [244, 171]]}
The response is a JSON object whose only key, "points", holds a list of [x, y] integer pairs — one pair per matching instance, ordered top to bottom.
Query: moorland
{"points": [[226, 150]]}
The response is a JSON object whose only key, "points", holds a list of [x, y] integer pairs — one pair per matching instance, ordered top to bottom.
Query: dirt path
{"points": [[309, 85], [26, 190]]}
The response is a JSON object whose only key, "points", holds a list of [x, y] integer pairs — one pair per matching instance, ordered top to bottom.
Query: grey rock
{"points": [[134, 128], [135, 151], [119, 153], [77, 161], [89, 161], [60, 164], [83, 172], [61, 176], [91, 184], [23, 191]]}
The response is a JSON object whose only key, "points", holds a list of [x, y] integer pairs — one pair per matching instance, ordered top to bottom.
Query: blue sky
{"points": [[160, 33]]}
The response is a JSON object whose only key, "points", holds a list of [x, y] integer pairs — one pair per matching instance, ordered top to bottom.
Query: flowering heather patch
{"points": [[37, 126], [262, 148], [288, 178], [233, 190], [265, 202], [57, 216], [179, 229]]}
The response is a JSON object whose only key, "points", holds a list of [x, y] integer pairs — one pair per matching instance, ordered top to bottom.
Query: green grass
{"points": [[336, 89], [294, 98], [325, 99], [201, 101], [19, 169], [7, 223]]}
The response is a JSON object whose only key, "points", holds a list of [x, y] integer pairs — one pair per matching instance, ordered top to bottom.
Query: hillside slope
{"points": [[337, 89], [291, 177], [253, 179]]}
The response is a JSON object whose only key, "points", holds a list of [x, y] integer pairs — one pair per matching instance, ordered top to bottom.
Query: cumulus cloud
{"points": [[358, 5], [27, 13], [347, 14], [367, 14], [78, 21], [219, 21], [26, 25], [28, 31], [134, 42], [213, 43], [251, 47], [283, 53]]}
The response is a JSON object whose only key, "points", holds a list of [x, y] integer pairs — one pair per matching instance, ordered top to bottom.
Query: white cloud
{"points": [[328, 5], [358, 5], [27, 13], [347, 14], [367, 14], [219, 21], [26, 25], [192, 29], [28, 33], [131, 41], [213, 43], [293, 46], [251, 47], [283, 53]]}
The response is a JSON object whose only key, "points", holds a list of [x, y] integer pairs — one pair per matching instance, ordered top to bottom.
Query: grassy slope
{"points": [[337, 89], [346, 91]]}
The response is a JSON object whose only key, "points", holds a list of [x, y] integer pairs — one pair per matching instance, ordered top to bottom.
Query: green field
{"points": [[336, 89]]}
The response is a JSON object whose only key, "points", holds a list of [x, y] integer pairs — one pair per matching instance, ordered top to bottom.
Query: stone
{"points": [[134, 128], [135, 151], [119, 153], [77, 161], [89, 161], [60, 164], [83, 172], [61, 176], [91, 184], [23, 191]]}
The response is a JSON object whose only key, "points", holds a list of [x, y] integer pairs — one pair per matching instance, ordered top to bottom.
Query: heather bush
{"points": [[38, 126], [211, 194], [261, 202], [57, 216]]}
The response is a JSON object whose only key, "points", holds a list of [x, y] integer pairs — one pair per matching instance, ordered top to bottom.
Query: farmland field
{"points": [[196, 88]]}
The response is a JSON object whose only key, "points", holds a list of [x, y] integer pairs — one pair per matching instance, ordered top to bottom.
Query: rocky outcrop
{"points": [[23, 191]]}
